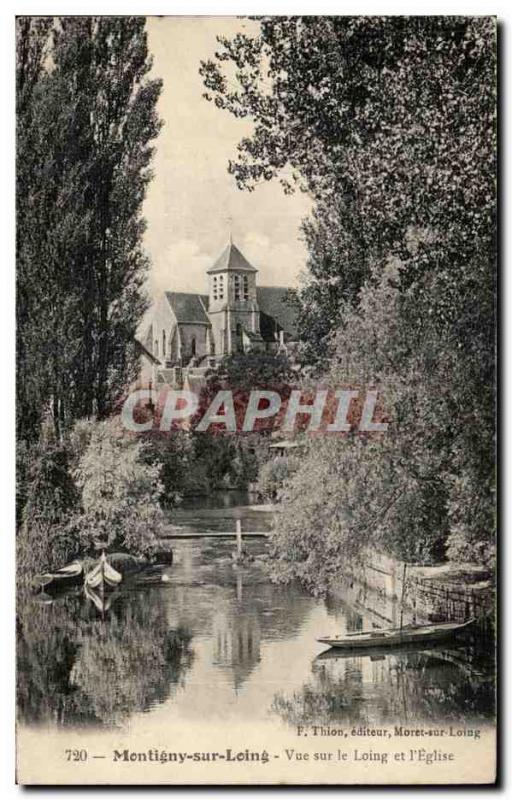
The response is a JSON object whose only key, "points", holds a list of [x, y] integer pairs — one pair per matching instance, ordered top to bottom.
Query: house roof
{"points": [[231, 260], [273, 302], [189, 307]]}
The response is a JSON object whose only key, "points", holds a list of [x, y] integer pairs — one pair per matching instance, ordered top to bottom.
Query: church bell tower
{"points": [[233, 304]]}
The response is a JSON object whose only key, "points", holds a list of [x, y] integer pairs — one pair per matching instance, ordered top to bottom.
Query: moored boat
{"points": [[69, 575], [103, 575], [392, 637], [378, 652]]}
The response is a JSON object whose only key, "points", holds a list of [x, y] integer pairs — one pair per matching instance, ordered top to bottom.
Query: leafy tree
{"points": [[32, 43], [87, 115], [390, 124], [254, 370], [242, 373], [396, 491]]}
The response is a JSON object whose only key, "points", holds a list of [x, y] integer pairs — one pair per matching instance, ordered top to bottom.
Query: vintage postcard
{"points": [[256, 294]]}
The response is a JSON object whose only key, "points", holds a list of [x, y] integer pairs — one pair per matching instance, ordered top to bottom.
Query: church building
{"points": [[191, 332]]}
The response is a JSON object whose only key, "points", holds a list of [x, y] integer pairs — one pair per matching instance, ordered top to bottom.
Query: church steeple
{"points": [[231, 260], [233, 305]]}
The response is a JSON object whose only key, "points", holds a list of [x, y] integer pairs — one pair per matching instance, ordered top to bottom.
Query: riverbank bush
{"points": [[94, 486], [119, 492]]}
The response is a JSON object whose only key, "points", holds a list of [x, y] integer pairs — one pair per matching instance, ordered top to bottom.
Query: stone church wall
{"points": [[190, 333]]}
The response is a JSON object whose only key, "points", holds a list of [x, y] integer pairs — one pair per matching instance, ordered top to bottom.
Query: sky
{"points": [[193, 203]]}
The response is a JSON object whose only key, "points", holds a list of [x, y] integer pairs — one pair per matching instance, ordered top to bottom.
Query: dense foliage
{"points": [[86, 117], [390, 124], [242, 373], [198, 463], [273, 474], [95, 487], [119, 493], [51, 500]]}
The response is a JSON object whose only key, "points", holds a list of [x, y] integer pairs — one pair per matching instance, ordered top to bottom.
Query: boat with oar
{"points": [[70, 575], [102, 575], [396, 637]]}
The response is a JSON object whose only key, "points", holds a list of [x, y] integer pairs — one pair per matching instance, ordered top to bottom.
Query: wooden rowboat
{"points": [[102, 575], [66, 576], [392, 637], [377, 653]]}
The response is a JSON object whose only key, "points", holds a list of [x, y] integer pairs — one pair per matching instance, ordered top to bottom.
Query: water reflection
{"points": [[219, 642], [236, 645], [75, 668], [403, 687]]}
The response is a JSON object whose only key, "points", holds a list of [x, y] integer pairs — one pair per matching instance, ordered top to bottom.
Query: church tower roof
{"points": [[231, 260]]}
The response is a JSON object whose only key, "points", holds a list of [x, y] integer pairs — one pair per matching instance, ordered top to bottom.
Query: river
{"points": [[221, 643]]}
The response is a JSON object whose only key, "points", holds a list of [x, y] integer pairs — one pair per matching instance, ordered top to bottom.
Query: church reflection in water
{"points": [[236, 644]]}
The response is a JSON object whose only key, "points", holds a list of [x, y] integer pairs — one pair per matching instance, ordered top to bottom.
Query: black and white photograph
{"points": [[256, 336]]}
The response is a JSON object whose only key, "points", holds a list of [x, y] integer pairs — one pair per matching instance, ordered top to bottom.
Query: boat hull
{"points": [[103, 574], [70, 575], [395, 637]]}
